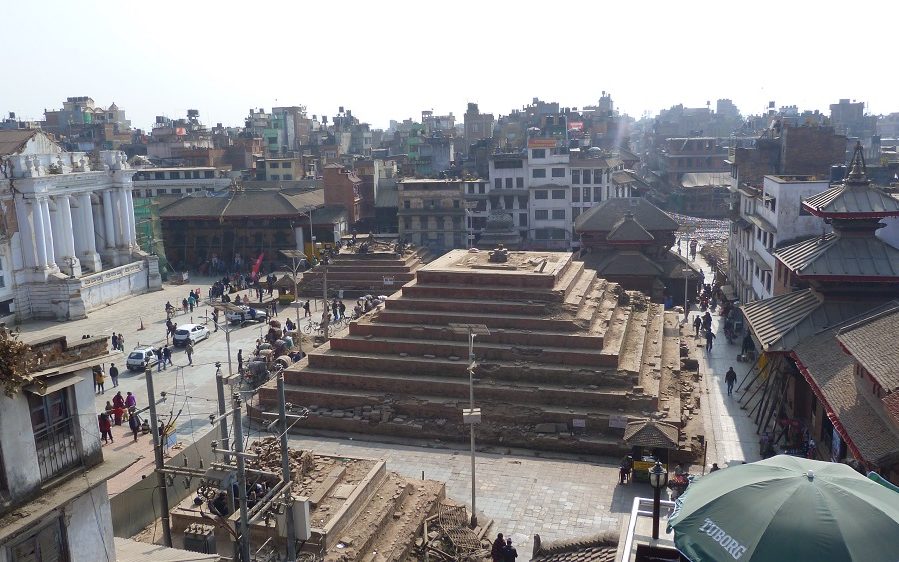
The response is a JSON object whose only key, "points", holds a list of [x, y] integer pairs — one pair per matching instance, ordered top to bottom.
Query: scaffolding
{"points": [[149, 232]]}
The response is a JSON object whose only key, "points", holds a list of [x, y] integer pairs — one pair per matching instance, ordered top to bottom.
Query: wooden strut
{"points": [[746, 376], [759, 388], [767, 394], [777, 401]]}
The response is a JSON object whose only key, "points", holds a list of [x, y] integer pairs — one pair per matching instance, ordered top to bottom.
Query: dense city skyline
{"points": [[180, 56]]}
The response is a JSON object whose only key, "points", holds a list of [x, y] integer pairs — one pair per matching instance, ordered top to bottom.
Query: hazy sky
{"points": [[391, 59]]}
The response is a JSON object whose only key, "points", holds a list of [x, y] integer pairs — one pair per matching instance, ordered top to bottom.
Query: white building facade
{"points": [[769, 219], [73, 246], [54, 503]]}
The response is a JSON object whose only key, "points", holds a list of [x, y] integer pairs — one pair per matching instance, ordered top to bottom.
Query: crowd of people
{"points": [[121, 409], [502, 550]]}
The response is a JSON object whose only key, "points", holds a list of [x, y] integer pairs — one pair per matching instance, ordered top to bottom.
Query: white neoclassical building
{"points": [[71, 241]]}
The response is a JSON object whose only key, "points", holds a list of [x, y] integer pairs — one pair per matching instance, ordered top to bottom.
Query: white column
{"points": [[65, 207], [119, 217], [87, 218], [109, 220], [99, 228], [48, 232], [59, 233], [131, 236], [26, 238], [39, 240]]}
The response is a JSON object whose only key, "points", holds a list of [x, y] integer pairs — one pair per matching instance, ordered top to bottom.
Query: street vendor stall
{"points": [[650, 442]]}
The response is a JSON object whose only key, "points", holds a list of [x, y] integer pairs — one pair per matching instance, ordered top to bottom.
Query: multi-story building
{"points": [[84, 126], [477, 126], [183, 142], [694, 154], [787, 162], [276, 169], [596, 176], [150, 182], [549, 185], [344, 188], [508, 189], [477, 207], [431, 213], [769, 219], [73, 241], [53, 499]]}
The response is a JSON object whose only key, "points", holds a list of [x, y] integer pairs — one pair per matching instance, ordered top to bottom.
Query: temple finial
{"points": [[858, 172]]}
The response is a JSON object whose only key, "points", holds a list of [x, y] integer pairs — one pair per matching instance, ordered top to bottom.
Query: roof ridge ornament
{"points": [[858, 174]]}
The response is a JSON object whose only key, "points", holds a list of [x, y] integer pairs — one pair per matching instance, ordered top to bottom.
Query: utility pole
{"points": [[471, 415], [223, 423], [160, 465], [285, 471], [244, 538]]}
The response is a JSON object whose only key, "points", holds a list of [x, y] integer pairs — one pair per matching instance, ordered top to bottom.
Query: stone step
{"points": [[353, 275], [569, 277], [581, 287], [415, 288], [592, 304], [466, 305], [606, 310], [492, 321], [381, 330], [617, 333], [484, 351], [631, 359], [508, 371], [505, 372], [543, 393], [494, 403]]}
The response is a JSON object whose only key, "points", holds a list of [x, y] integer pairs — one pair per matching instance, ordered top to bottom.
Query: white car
{"points": [[246, 313], [190, 332], [140, 358]]}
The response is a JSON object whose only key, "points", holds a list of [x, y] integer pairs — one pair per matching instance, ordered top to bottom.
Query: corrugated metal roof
{"points": [[861, 200], [250, 203], [833, 255], [771, 319], [873, 343]]}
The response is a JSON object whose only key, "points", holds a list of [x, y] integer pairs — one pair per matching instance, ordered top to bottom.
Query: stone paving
{"points": [[731, 432], [555, 498]]}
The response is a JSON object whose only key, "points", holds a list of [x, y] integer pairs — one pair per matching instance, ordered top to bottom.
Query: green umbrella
{"points": [[787, 509]]}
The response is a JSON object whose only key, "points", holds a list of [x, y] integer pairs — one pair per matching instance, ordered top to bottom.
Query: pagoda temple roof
{"points": [[856, 198], [629, 230], [834, 256]]}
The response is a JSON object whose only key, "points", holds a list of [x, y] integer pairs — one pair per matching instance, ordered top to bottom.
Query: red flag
{"points": [[258, 264]]}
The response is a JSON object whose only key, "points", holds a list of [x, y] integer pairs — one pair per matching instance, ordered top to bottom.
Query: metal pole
{"points": [[686, 298], [296, 304], [326, 317], [228, 344], [223, 423], [160, 465], [285, 471], [656, 497], [474, 516], [244, 537]]}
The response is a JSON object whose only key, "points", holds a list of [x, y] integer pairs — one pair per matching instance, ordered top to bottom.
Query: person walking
{"points": [[274, 308], [342, 309], [335, 310], [306, 312], [215, 319], [697, 325], [709, 337], [114, 341], [121, 342], [189, 350], [166, 357], [160, 361], [240, 361], [114, 375], [730, 378], [100, 380], [118, 407], [133, 423], [105, 427], [624, 469], [496, 551], [509, 552]]}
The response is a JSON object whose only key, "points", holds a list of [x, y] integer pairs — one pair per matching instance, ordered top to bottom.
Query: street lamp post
{"points": [[471, 415], [658, 479]]}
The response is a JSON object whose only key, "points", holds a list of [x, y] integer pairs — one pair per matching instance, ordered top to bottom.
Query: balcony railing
{"points": [[57, 449]]}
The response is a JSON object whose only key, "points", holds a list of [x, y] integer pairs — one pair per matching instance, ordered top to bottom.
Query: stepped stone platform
{"points": [[378, 271], [570, 358]]}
